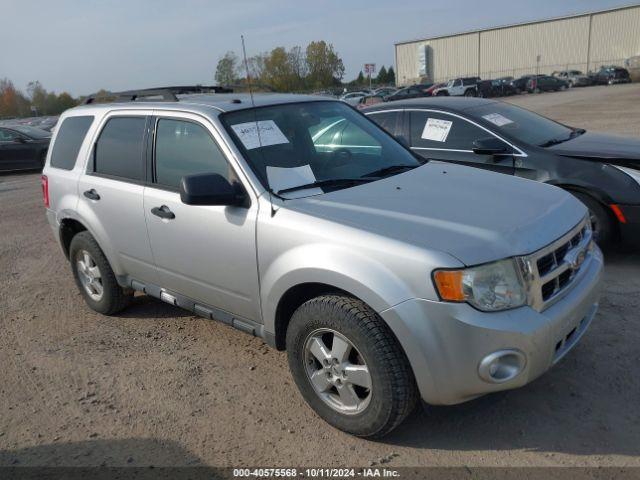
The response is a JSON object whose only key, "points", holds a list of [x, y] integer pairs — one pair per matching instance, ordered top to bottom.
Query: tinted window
{"points": [[390, 121], [522, 124], [461, 133], [7, 135], [68, 142], [186, 148], [119, 150]]}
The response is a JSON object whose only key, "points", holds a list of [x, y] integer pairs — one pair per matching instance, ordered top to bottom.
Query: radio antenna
{"points": [[255, 114]]}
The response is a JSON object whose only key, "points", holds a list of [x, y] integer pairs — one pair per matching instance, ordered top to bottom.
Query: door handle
{"points": [[92, 194], [163, 212]]}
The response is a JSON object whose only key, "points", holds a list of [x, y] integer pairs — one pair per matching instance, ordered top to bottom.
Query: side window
{"points": [[390, 121], [446, 131], [7, 135], [68, 141], [120, 148], [186, 148]]}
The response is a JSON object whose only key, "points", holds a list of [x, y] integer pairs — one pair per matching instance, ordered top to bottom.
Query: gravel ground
{"points": [[158, 386]]}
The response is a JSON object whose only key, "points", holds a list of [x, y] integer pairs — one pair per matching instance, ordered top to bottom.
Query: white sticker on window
{"points": [[497, 119], [436, 129], [270, 134], [281, 178]]}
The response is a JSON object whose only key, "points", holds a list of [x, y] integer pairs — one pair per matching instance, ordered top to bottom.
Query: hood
{"points": [[617, 150], [474, 215]]}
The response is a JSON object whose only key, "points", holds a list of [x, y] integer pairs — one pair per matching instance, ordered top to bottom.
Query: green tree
{"points": [[324, 65], [226, 70], [282, 70], [391, 76], [381, 79], [360, 80], [38, 96], [65, 101], [12, 102]]}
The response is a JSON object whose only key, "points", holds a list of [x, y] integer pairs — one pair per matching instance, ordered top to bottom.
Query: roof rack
{"points": [[166, 94]]}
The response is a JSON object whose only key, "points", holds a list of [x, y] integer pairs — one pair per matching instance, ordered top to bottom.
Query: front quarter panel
{"points": [[295, 248]]}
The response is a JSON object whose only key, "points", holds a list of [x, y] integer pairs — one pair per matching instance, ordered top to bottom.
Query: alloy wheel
{"points": [[89, 275], [337, 371]]}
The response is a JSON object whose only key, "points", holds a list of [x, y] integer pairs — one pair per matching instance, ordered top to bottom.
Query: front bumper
{"points": [[630, 230], [446, 342]]}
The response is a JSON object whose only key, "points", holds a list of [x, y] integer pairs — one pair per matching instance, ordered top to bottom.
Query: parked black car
{"points": [[609, 75], [545, 83], [520, 84], [500, 87], [414, 91], [23, 147], [603, 171]]}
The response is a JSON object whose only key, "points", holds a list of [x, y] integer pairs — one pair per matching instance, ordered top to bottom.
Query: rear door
{"points": [[392, 122], [446, 136], [15, 150], [111, 194], [206, 253]]}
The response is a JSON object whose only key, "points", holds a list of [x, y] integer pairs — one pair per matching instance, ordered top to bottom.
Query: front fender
{"points": [[363, 276]]}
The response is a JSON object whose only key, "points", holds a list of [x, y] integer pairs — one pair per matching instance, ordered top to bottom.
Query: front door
{"points": [[442, 136], [206, 253]]}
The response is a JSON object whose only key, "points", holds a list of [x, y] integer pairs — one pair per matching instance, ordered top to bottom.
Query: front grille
{"points": [[555, 267]]}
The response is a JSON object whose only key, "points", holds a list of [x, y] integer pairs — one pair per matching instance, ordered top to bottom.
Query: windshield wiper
{"points": [[555, 141], [389, 170], [332, 182]]}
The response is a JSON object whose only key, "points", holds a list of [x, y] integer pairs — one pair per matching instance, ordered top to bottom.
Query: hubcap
{"points": [[89, 275], [337, 371]]}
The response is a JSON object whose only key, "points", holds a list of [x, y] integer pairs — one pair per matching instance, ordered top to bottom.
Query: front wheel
{"points": [[349, 367]]}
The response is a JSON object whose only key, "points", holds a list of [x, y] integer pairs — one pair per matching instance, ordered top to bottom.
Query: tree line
{"points": [[316, 67], [37, 101]]}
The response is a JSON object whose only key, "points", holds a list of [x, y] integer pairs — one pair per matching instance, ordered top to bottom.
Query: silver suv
{"points": [[386, 278]]}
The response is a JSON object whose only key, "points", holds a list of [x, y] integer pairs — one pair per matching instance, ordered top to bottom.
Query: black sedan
{"points": [[413, 91], [22, 147], [603, 171]]}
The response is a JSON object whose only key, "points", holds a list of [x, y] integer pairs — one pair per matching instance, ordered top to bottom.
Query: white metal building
{"points": [[583, 42]]}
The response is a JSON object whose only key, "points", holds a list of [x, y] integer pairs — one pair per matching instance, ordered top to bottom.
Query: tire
{"points": [[470, 93], [442, 94], [604, 227], [111, 298], [392, 394]]}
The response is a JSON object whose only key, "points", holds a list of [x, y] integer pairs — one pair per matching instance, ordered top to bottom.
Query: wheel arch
{"points": [[69, 228]]}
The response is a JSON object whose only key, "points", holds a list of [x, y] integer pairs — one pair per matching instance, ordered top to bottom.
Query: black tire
{"points": [[470, 93], [604, 226], [114, 298], [393, 393]]}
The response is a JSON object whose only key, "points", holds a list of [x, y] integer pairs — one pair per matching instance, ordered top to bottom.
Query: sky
{"points": [[80, 46]]}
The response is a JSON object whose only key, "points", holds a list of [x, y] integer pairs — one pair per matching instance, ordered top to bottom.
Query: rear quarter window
{"points": [[68, 141]]}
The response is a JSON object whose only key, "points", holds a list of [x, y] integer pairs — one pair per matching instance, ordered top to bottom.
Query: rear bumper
{"points": [[630, 231], [446, 343]]}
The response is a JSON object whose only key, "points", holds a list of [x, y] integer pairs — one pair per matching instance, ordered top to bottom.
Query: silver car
{"points": [[385, 278]]}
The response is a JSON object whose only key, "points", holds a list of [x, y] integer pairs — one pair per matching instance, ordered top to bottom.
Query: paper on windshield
{"points": [[497, 119], [436, 129], [270, 134], [281, 178]]}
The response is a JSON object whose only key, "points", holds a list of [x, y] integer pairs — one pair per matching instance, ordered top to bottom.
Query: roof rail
{"points": [[166, 94]]}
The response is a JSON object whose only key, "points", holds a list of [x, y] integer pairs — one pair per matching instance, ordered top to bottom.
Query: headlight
{"points": [[490, 287]]}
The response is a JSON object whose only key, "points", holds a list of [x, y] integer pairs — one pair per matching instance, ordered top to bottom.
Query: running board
{"points": [[198, 308]]}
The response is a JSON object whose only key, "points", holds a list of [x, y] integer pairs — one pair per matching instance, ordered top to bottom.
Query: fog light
{"points": [[501, 366]]}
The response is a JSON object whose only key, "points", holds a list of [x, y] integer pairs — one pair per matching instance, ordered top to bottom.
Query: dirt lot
{"points": [[158, 386]]}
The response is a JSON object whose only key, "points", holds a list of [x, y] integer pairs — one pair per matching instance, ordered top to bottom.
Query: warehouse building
{"points": [[582, 42]]}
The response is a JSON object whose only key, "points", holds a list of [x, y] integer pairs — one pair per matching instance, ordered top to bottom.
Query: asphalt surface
{"points": [[155, 385]]}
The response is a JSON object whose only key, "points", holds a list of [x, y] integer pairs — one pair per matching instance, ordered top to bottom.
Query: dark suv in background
{"points": [[609, 75], [545, 83]]}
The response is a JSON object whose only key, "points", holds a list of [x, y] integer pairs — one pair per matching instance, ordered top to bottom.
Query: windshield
{"points": [[526, 126], [31, 131], [300, 144]]}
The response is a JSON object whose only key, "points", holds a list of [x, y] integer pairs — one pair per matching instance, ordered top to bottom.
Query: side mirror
{"points": [[20, 140], [491, 146], [211, 189]]}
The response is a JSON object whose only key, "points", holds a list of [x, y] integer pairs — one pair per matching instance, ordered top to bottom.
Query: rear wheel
{"points": [[470, 93], [602, 221], [94, 276], [349, 367]]}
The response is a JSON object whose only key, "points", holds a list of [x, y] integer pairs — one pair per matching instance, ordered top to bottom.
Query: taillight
{"points": [[44, 181]]}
